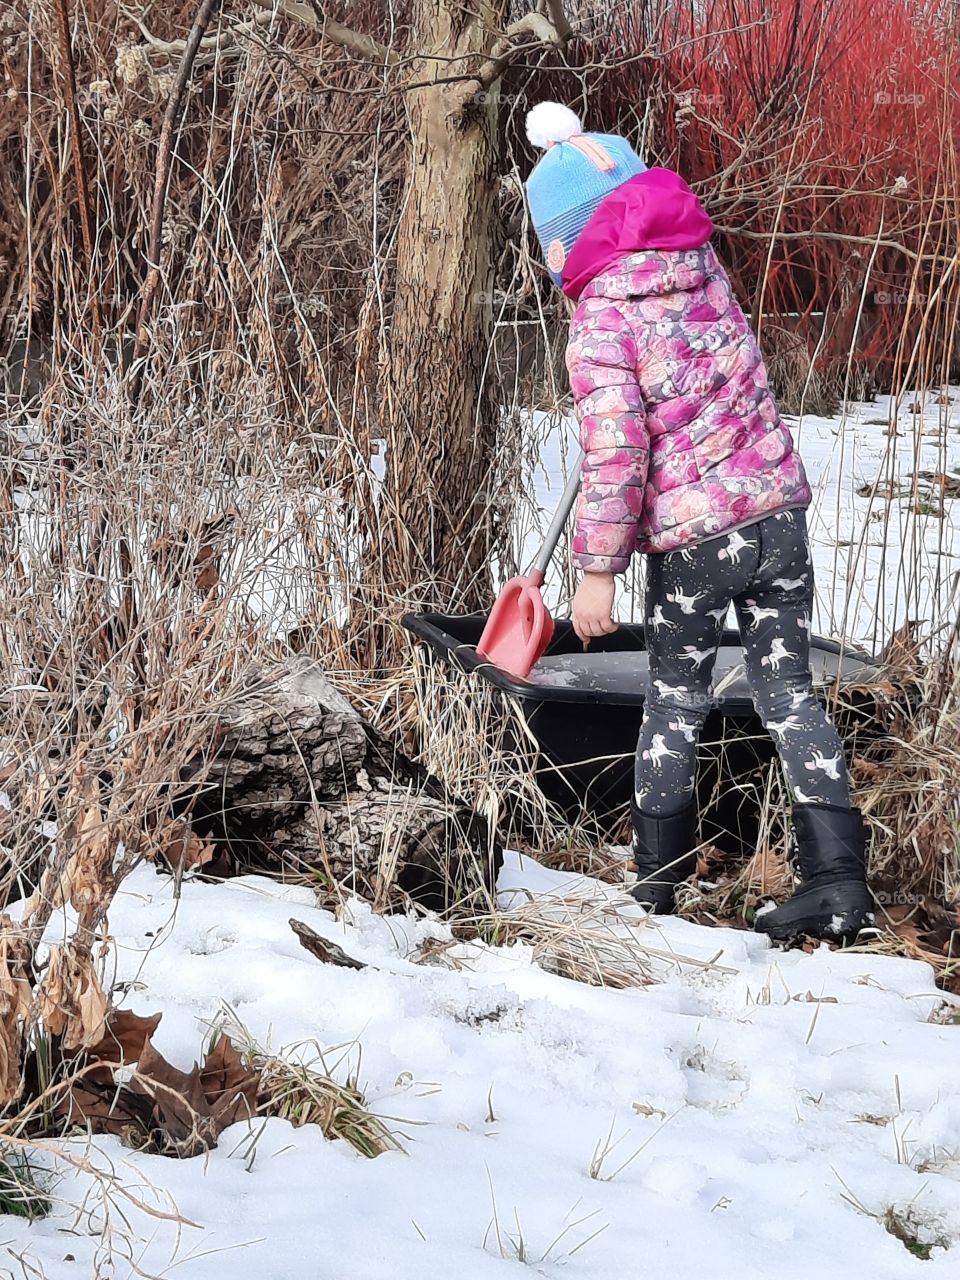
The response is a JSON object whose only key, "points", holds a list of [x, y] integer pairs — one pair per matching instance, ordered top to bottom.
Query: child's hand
{"points": [[593, 606]]}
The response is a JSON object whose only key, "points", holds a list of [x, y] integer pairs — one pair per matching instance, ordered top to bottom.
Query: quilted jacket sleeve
{"points": [[602, 362]]}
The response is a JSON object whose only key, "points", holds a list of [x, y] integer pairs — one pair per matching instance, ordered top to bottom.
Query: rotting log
{"points": [[296, 783]]}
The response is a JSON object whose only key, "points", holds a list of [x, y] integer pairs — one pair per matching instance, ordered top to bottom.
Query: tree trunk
{"points": [[439, 416], [297, 783]]}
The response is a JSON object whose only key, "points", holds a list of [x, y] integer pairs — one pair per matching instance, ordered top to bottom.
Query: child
{"points": [[688, 461]]}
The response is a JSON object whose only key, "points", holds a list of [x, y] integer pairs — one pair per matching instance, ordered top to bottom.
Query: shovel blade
{"points": [[519, 628]]}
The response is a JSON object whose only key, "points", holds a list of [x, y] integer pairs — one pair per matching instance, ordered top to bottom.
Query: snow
{"points": [[894, 559], [877, 561], [736, 1110]]}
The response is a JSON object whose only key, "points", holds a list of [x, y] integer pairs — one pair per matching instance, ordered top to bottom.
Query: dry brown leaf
{"points": [[177, 554], [207, 565], [902, 650], [880, 690], [865, 768], [181, 848], [710, 861], [88, 869], [768, 874], [86, 881], [31, 903], [940, 930], [912, 933], [53, 991], [15, 1000], [72, 1002], [92, 1003], [124, 1037], [230, 1085], [96, 1102], [192, 1108], [180, 1109], [180, 1113]]}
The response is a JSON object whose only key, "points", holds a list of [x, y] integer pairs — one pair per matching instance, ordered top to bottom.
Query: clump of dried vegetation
{"points": [[585, 935]]}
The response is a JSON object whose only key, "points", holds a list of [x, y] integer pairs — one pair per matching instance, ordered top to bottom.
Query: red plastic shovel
{"points": [[520, 627]]}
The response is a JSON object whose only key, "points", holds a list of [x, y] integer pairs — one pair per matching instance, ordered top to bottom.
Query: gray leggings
{"points": [[765, 571]]}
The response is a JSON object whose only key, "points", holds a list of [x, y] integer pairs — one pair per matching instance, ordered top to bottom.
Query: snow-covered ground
{"points": [[878, 560], [766, 1112]]}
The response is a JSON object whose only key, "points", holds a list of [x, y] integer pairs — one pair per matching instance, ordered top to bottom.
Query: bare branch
{"points": [[307, 14], [559, 19], [221, 40], [356, 41], [511, 44], [171, 119], [79, 167], [735, 231]]}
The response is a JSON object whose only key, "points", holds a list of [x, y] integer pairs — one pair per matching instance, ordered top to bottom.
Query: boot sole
{"points": [[846, 906]]}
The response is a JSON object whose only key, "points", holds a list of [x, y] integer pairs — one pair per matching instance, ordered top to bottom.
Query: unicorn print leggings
{"points": [[765, 571]]}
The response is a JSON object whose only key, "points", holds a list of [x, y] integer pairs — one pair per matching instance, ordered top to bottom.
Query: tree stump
{"points": [[297, 783]]}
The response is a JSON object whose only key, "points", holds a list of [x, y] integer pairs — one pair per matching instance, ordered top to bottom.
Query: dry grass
{"points": [[230, 517], [156, 554], [906, 784], [606, 863], [730, 894], [581, 935], [297, 1086], [302, 1096], [22, 1194]]}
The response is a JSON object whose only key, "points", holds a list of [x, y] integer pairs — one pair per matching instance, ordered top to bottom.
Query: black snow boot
{"points": [[662, 853], [832, 900]]}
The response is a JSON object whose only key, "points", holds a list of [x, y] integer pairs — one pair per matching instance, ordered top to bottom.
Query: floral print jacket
{"points": [[681, 434]]}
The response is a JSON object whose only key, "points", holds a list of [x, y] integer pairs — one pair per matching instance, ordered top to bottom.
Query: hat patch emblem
{"points": [[556, 256]]}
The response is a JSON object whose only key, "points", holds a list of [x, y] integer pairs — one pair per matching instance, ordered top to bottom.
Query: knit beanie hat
{"points": [[572, 180]]}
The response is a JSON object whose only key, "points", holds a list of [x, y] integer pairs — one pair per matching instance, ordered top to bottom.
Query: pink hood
{"points": [[654, 210]]}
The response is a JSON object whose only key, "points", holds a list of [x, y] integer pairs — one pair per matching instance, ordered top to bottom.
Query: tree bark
{"points": [[439, 414], [296, 783]]}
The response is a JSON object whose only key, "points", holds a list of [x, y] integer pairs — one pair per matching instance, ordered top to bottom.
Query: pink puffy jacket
{"points": [[682, 436]]}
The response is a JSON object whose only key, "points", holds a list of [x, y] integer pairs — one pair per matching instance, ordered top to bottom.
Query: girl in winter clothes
{"points": [[688, 461]]}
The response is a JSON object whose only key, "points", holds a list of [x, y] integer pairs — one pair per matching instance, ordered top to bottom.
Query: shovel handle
{"points": [[560, 516]]}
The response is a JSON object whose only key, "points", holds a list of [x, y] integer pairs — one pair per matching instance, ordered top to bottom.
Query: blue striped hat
{"points": [[571, 181]]}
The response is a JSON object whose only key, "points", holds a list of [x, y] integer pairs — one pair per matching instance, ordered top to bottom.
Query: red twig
{"points": [[171, 120], [76, 146]]}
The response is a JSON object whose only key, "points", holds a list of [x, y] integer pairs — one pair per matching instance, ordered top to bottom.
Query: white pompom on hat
{"points": [[550, 122], [572, 179]]}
